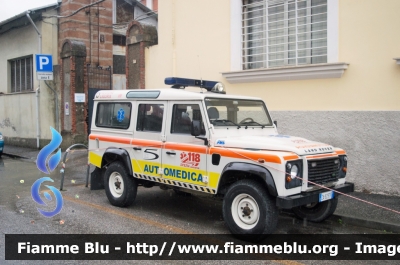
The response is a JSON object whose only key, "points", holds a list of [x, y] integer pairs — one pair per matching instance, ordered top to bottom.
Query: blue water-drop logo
{"points": [[121, 115], [45, 153], [44, 157], [35, 191]]}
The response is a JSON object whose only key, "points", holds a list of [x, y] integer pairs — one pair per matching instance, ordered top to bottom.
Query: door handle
{"points": [[137, 148], [171, 153]]}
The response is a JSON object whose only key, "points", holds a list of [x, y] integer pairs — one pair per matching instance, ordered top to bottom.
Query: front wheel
{"points": [[120, 188], [249, 211], [316, 212]]}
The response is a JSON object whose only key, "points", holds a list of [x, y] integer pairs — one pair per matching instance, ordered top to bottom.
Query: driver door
{"points": [[184, 157]]}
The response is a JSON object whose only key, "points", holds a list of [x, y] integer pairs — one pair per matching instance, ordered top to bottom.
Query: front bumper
{"points": [[309, 197]]}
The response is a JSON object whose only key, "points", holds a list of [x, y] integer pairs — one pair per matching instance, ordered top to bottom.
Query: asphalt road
{"points": [[155, 211]]}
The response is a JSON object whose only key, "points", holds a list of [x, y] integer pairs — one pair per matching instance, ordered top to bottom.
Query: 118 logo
{"points": [[190, 159]]}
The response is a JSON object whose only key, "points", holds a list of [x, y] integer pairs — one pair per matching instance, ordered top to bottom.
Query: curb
{"points": [[15, 156], [353, 221], [388, 227]]}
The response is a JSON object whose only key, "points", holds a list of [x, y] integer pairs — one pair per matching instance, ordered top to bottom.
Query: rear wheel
{"points": [[120, 188], [249, 211], [316, 212]]}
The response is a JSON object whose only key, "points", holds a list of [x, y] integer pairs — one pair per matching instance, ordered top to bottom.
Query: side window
{"points": [[113, 115], [150, 117], [182, 117]]}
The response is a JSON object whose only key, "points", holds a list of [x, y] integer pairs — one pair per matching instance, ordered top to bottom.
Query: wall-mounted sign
{"points": [[44, 66], [80, 98]]}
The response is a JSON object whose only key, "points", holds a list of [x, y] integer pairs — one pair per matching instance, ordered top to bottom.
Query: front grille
{"points": [[323, 171]]}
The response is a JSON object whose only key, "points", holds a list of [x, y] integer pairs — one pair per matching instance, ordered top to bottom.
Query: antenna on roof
{"points": [[201, 78]]}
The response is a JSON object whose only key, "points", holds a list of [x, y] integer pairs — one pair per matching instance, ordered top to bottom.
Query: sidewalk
{"points": [[20, 152], [349, 210], [357, 213]]}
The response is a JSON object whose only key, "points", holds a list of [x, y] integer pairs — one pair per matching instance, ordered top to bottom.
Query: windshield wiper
{"points": [[224, 121], [249, 122]]}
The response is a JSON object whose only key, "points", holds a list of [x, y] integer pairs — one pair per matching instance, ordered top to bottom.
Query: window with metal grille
{"points": [[278, 33], [21, 74]]}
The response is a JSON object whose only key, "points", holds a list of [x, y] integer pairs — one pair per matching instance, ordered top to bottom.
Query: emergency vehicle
{"points": [[212, 143]]}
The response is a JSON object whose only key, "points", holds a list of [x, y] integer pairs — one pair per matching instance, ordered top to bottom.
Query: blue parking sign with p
{"points": [[44, 63]]}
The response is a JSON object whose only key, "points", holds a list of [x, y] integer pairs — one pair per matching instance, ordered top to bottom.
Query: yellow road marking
{"points": [[129, 216], [155, 223]]}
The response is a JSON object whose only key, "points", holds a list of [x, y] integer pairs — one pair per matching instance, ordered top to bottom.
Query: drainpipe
{"points": [[38, 89], [56, 104], [37, 117]]}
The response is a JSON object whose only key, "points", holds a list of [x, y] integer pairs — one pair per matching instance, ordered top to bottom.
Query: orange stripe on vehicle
{"points": [[120, 140], [124, 140], [148, 143], [185, 147], [340, 152], [243, 154], [320, 156], [291, 157]]}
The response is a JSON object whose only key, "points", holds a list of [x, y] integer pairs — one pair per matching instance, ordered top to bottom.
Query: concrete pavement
{"points": [[357, 211]]}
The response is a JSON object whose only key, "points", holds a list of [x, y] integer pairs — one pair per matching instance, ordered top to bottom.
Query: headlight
{"points": [[1, 137], [343, 166], [294, 171]]}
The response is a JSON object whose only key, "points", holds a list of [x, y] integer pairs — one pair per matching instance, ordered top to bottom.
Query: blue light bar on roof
{"points": [[178, 82]]}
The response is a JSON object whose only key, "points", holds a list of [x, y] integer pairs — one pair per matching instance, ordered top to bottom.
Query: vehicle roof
{"points": [[165, 94]]}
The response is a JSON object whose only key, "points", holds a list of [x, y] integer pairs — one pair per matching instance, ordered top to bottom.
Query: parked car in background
{"points": [[1, 144]]}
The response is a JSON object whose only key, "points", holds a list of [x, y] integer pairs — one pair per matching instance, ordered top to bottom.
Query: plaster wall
{"points": [[194, 42], [15, 44], [18, 110], [370, 138]]}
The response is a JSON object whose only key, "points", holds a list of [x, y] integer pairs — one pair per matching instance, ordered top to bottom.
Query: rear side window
{"points": [[113, 115], [150, 117]]}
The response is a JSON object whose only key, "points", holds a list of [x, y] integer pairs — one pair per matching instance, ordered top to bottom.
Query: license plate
{"points": [[326, 196]]}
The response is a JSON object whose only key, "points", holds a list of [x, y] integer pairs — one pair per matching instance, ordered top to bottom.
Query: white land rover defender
{"points": [[213, 143]]}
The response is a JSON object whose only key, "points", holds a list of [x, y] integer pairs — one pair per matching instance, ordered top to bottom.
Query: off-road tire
{"points": [[126, 193], [249, 199], [318, 212]]}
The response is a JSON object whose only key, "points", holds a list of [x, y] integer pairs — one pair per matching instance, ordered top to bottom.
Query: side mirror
{"points": [[276, 124], [195, 129]]}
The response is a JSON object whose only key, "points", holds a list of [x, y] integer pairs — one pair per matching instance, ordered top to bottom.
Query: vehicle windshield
{"points": [[237, 112]]}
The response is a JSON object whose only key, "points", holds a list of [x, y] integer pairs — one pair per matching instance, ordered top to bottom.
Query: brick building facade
{"points": [[92, 26], [99, 28]]}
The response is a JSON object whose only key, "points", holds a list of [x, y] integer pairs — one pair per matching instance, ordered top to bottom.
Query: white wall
{"points": [[18, 110]]}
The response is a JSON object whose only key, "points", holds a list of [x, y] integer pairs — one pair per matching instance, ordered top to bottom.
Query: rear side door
{"points": [[149, 133], [184, 157]]}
